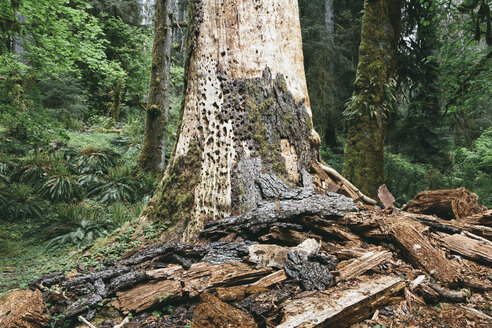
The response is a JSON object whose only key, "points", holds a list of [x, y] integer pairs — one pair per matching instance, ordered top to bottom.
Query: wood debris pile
{"points": [[302, 259]]}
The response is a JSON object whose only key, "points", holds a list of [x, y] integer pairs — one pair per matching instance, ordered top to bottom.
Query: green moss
{"points": [[174, 199]]}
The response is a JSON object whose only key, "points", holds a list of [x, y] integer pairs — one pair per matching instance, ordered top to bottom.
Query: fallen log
{"points": [[446, 204], [483, 218], [450, 227], [473, 249], [420, 252], [363, 264], [182, 283], [342, 307]]}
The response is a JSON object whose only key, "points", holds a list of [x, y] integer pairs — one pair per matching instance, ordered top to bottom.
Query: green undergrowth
{"points": [[70, 201]]}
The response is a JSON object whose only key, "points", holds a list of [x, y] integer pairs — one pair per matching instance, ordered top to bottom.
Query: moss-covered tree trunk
{"points": [[245, 112], [364, 150], [152, 157]]}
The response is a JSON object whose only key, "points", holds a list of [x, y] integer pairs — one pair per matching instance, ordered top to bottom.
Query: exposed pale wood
{"points": [[347, 185], [385, 197], [446, 204], [476, 250], [419, 251], [265, 255], [363, 264], [200, 277], [147, 295], [342, 307], [84, 320]]}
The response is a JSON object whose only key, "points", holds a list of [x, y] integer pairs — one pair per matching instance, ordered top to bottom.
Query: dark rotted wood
{"points": [[446, 204], [289, 207], [483, 218], [213, 313]]}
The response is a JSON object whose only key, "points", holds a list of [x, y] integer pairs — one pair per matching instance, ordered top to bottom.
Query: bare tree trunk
{"points": [[245, 112], [364, 150], [153, 155]]}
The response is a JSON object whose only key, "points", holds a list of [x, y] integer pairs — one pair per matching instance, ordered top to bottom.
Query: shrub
{"points": [[93, 160], [61, 188], [84, 233]]}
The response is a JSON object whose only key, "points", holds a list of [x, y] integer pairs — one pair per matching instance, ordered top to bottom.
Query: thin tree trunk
{"points": [[245, 112], [364, 150], [152, 157]]}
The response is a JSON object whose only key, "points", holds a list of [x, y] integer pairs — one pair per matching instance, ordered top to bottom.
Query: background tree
{"points": [[367, 114], [153, 155]]}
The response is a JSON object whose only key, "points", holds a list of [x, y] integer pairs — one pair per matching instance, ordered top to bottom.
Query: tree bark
{"points": [[245, 112], [364, 153], [153, 155]]}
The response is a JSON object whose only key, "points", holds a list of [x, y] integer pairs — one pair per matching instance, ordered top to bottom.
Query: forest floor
{"points": [[343, 266]]}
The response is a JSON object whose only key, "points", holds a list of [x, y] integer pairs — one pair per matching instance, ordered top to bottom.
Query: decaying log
{"points": [[446, 204], [289, 208], [483, 218], [450, 227], [285, 236], [476, 250], [420, 252], [363, 264], [185, 283], [239, 293], [146, 296], [342, 307], [213, 313]]}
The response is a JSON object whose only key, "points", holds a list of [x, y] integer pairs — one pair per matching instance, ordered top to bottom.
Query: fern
{"points": [[93, 161], [61, 188], [115, 190], [84, 233]]}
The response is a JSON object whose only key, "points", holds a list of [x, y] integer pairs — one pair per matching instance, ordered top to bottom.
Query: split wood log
{"points": [[446, 204], [483, 218], [450, 227], [286, 236], [476, 250], [419, 251], [363, 264], [181, 283], [239, 293], [343, 307]]}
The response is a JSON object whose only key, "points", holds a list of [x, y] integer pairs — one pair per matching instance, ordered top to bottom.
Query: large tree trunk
{"points": [[246, 112], [364, 153], [153, 155]]}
